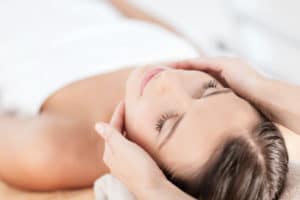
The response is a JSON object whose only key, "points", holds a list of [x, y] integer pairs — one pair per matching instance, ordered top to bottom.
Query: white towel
{"points": [[110, 188]]}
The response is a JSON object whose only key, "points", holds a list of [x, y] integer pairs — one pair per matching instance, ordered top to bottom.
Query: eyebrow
{"points": [[174, 128]]}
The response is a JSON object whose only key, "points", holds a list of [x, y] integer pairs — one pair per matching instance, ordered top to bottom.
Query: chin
{"points": [[131, 83], [132, 89]]}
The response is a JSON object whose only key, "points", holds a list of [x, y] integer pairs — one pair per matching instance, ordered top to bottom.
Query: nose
{"points": [[164, 83], [169, 85]]}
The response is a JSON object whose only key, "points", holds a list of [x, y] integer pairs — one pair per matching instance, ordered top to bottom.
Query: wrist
{"points": [[158, 182], [149, 185], [153, 188], [163, 190]]}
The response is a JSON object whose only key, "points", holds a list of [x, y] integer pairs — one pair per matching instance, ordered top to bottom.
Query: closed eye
{"points": [[210, 84], [206, 86], [217, 92], [163, 119], [172, 131]]}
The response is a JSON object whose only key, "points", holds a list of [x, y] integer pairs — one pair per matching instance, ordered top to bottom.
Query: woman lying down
{"points": [[205, 128]]}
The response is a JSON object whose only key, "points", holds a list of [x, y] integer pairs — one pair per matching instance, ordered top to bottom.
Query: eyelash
{"points": [[211, 84], [163, 118]]}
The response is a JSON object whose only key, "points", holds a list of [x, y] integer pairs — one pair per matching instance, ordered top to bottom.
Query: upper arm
{"points": [[49, 152]]}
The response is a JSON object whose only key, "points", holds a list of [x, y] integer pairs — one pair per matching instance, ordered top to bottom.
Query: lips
{"points": [[149, 75]]}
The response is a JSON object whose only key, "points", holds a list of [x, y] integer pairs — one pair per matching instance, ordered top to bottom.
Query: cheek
{"points": [[139, 129]]}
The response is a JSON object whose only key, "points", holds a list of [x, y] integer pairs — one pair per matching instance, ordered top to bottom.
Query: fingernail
{"points": [[100, 128]]}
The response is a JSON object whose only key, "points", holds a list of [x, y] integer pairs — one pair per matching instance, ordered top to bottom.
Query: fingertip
{"points": [[173, 65], [121, 103], [120, 107], [118, 115], [101, 129]]}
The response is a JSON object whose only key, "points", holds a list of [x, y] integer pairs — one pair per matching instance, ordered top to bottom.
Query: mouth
{"points": [[149, 76]]}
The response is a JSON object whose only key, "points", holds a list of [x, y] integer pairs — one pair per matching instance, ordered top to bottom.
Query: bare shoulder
{"points": [[91, 99]]}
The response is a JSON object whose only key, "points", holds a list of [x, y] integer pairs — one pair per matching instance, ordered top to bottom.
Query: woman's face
{"points": [[180, 117]]}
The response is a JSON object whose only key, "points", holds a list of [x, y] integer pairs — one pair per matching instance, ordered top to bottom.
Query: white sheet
{"points": [[266, 32], [45, 45]]}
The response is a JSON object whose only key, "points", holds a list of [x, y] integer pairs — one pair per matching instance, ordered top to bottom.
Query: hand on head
{"points": [[232, 72], [125, 159], [135, 168]]}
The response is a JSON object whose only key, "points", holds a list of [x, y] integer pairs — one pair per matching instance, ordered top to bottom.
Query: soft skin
{"points": [[223, 68], [206, 118], [61, 140], [117, 151]]}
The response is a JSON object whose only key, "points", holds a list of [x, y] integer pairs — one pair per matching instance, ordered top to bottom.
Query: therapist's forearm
{"points": [[279, 101], [164, 190]]}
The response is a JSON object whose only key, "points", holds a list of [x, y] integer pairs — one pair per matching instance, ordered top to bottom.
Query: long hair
{"points": [[244, 168]]}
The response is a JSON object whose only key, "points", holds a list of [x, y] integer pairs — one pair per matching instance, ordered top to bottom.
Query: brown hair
{"points": [[244, 168]]}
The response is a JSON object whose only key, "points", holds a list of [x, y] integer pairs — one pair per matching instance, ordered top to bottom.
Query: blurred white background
{"points": [[266, 32]]}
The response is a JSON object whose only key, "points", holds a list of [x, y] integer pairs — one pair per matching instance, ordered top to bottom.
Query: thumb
{"points": [[117, 119], [111, 136]]}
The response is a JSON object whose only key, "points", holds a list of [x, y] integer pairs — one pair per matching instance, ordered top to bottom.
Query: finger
{"points": [[185, 64], [198, 64], [203, 64], [117, 118], [105, 133], [112, 137], [107, 154]]}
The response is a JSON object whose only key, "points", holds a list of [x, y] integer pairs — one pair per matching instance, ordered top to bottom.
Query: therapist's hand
{"points": [[232, 72], [125, 159]]}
